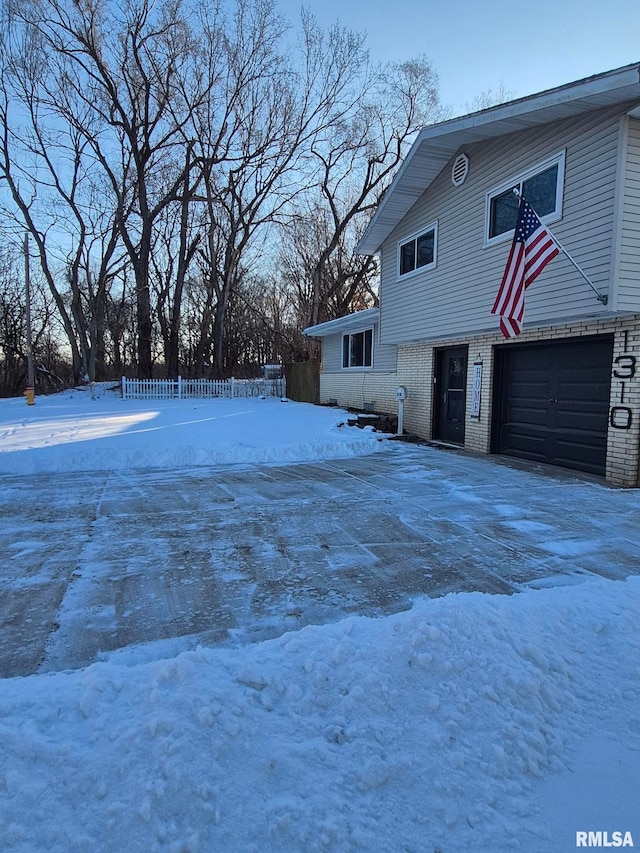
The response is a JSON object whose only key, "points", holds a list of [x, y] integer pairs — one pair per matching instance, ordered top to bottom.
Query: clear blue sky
{"points": [[477, 44]]}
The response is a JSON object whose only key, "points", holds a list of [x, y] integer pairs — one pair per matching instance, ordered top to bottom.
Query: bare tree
{"points": [[129, 84], [489, 98], [274, 114], [153, 148], [46, 163], [356, 163], [173, 252], [337, 282], [120, 312], [12, 326], [13, 332]]}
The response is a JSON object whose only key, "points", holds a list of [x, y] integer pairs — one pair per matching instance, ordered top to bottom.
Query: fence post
{"points": [[124, 387], [179, 387], [232, 387]]}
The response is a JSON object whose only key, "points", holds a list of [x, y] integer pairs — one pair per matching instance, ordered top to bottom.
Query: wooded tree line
{"points": [[193, 177]]}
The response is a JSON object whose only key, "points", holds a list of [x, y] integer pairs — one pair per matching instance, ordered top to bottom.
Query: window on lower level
{"points": [[541, 186], [418, 252], [357, 349]]}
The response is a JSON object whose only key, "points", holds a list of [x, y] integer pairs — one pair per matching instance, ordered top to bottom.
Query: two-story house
{"points": [[566, 390]]}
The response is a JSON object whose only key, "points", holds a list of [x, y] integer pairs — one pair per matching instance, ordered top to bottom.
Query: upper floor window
{"points": [[541, 186], [418, 252], [357, 349]]}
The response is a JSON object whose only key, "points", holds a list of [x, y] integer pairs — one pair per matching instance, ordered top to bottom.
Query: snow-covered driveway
{"points": [[146, 563], [470, 723]]}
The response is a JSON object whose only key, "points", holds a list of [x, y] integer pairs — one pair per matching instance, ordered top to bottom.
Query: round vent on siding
{"points": [[459, 170]]}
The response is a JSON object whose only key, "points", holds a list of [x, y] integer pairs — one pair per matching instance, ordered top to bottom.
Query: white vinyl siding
{"points": [[629, 268], [457, 296], [332, 353], [384, 356]]}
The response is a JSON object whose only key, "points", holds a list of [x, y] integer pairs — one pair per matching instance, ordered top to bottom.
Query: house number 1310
{"points": [[624, 368]]}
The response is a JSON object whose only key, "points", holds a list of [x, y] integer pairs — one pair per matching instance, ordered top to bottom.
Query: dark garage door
{"points": [[552, 402]]}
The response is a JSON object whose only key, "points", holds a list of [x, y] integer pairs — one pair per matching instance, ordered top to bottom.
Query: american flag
{"points": [[532, 249]]}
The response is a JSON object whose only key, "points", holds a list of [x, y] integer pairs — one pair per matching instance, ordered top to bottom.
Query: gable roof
{"points": [[437, 143], [349, 323]]}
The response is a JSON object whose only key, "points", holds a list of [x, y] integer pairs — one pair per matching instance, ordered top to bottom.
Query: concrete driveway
{"points": [[135, 566]]}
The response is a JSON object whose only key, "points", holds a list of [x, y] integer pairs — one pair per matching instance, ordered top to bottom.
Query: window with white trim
{"points": [[542, 187], [418, 252], [357, 349]]}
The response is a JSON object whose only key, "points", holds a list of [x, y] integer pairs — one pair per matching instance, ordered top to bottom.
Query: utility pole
{"points": [[30, 392]]}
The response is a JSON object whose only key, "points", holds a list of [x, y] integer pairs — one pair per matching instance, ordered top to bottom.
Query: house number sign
{"points": [[624, 369]]}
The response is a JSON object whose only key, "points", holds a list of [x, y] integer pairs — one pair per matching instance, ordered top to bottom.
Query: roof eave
{"points": [[436, 144], [357, 320]]}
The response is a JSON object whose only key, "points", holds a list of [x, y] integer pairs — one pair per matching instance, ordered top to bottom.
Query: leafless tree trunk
{"points": [[134, 83], [170, 140], [357, 164]]}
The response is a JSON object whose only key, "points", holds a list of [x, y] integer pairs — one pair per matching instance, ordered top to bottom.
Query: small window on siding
{"points": [[541, 186], [418, 253], [357, 349]]}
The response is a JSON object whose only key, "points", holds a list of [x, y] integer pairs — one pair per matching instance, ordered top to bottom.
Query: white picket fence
{"points": [[201, 389]]}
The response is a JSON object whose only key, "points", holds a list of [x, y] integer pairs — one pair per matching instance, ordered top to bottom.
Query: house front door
{"points": [[450, 394]]}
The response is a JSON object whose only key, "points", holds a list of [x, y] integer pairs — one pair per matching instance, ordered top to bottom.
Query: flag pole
{"points": [[602, 297]]}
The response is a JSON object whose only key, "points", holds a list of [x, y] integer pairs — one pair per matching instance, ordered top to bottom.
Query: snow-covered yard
{"points": [[73, 432], [472, 722]]}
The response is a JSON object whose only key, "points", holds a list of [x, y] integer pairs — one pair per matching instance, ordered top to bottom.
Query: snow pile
{"points": [[76, 431], [470, 723], [430, 730]]}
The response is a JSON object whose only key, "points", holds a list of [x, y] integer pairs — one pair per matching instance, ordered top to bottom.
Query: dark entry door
{"points": [[450, 394], [553, 402]]}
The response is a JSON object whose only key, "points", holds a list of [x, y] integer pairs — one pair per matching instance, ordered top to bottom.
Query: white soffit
{"points": [[436, 144], [358, 321]]}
